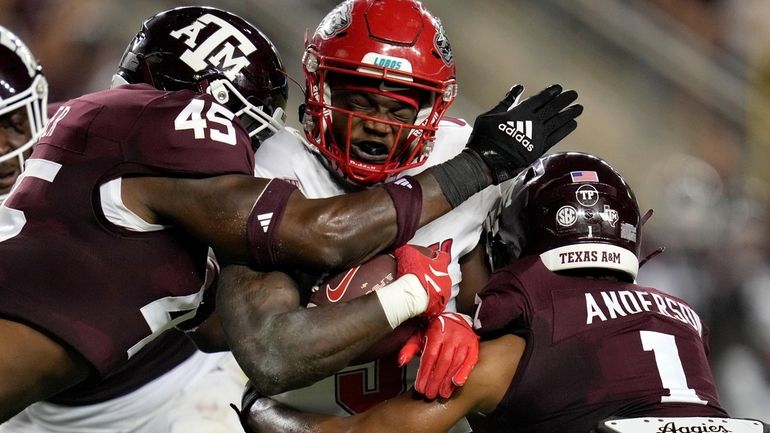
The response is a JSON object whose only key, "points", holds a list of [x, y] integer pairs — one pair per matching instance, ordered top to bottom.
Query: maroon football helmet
{"points": [[400, 47], [209, 50], [22, 86], [574, 210]]}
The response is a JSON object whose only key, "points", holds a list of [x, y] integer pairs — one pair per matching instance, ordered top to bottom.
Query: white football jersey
{"points": [[287, 155]]}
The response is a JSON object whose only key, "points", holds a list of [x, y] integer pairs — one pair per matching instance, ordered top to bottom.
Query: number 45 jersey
{"points": [[77, 265], [595, 348]]}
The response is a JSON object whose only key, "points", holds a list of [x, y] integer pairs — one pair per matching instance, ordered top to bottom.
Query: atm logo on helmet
{"points": [[216, 49]]}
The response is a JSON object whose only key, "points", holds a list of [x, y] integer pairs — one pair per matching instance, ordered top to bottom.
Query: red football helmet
{"points": [[401, 47], [209, 50], [22, 86], [574, 210]]}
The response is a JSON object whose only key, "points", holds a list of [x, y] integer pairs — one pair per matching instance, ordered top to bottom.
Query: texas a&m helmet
{"points": [[209, 50], [23, 88], [572, 209]]}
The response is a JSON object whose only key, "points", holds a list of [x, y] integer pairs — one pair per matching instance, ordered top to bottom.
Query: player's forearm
{"points": [[342, 231], [281, 346], [296, 349], [407, 413], [270, 416]]}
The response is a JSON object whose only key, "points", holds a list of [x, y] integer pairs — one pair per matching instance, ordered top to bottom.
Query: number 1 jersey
{"points": [[595, 348]]}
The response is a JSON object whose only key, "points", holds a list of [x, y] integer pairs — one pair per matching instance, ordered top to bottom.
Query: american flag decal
{"points": [[584, 176]]}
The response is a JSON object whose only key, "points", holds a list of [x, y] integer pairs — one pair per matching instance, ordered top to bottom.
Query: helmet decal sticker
{"points": [[336, 21], [441, 42], [202, 52], [384, 61], [584, 176], [587, 195], [610, 215], [566, 216], [628, 232]]}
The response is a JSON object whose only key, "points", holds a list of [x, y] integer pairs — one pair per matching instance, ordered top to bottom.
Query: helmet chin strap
{"points": [[144, 67], [647, 215], [651, 255]]}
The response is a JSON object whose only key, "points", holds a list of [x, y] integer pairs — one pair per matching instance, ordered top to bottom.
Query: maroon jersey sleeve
{"points": [[156, 132], [66, 271], [595, 349]]}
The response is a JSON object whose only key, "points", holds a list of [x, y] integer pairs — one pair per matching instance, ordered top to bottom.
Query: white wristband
{"points": [[403, 299]]}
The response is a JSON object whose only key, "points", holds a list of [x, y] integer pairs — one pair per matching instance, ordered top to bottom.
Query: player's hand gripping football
{"points": [[511, 136], [432, 271], [450, 350]]}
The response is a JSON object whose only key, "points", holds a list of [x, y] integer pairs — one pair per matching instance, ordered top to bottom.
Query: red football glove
{"points": [[432, 273], [450, 350]]}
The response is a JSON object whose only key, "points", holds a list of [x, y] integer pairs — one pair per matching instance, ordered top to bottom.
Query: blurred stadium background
{"points": [[676, 96]]}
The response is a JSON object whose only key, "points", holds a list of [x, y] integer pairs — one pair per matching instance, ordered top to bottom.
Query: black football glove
{"points": [[510, 137]]}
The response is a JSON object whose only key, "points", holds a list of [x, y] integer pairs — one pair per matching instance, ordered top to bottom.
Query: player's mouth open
{"points": [[370, 151]]}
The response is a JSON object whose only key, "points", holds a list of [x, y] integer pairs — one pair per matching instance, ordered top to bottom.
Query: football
{"points": [[358, 281]]}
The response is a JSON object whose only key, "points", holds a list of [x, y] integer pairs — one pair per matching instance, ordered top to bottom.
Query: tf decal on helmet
{"points": [[336, 21], [442, 44], [202, 52], [587, 195]]}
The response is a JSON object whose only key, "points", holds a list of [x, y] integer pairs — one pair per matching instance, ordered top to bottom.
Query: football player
{"points": [[376, 95], [23, 102], [106, 233], [572, 340], [168, 370]]}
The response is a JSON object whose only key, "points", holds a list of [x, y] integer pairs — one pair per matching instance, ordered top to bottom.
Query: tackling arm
{"points": [[338, 232], [330, 233], [281, 346], [484, 390]]}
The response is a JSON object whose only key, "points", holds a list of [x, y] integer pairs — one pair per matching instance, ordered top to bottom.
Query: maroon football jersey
{"points": [[104, 290], [595, 349]]}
